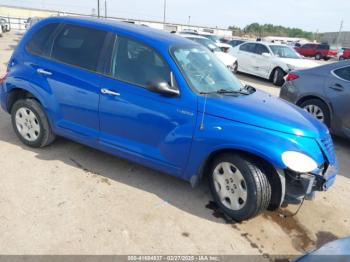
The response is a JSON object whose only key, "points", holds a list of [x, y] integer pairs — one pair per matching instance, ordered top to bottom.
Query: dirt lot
{"points": [[71, 199]]}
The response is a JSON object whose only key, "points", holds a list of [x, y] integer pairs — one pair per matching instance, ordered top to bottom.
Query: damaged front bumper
{"points": [[299, 186]]}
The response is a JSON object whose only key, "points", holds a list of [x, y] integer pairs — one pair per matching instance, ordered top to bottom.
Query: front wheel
{"points": [[318, 57], [235, 68], [277, 77], [239, 186]]}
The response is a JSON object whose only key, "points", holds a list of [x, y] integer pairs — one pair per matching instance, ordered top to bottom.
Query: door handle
{"points": [[43, 72], [337, 87], [109, 92]]}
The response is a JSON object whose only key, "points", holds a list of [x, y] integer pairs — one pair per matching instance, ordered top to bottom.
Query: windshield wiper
{"points": [[241, 91]]}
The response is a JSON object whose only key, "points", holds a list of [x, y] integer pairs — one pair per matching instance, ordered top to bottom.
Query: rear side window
{"points": [[37, 43], [79, 46], [249, 47], [323, 47], [260, 49], [136, 63], [343, 73]]}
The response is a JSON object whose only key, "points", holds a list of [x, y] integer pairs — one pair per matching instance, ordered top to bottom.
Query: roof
{"points": [[143, 33]]}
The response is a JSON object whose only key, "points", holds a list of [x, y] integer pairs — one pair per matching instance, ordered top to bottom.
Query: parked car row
{"points": [[228, 60], [168, 103]]}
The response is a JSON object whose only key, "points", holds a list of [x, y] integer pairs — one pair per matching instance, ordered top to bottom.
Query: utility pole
{"points": [[98, 8], [105, 8], [164, 13], [189, 20], [340, 29]]}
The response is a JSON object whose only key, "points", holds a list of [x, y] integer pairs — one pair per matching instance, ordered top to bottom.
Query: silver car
{"points": [[324, 92]]}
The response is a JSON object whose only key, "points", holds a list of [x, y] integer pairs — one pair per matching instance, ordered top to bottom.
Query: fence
{"points": [[16, 23]]}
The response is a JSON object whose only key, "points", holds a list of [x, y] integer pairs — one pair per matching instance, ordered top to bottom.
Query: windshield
{"points": [[207, 43], [284, 52], [204, 72]]}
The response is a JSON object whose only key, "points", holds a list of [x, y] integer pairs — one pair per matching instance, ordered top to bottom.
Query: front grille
{"points": [[328, 148]]}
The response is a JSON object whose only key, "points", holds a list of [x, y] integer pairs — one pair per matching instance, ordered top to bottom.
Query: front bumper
{"points": [[299, 186]]}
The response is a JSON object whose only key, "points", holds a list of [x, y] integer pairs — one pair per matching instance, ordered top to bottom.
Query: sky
{"points": [[309, 15]]}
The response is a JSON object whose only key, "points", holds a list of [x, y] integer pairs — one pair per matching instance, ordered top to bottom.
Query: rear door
{"points": [[245, 58], [262, 63], [71, 74], [338, 92], [138, 124]]}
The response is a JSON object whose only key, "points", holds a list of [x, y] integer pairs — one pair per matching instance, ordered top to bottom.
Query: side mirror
{"points": [[266, 54], [163, 88]]}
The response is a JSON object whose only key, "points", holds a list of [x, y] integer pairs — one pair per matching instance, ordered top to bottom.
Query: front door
{"points": [[138, 124]]}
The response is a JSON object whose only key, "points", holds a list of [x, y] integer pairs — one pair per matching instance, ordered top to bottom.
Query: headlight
{"points": [[298, 162]]}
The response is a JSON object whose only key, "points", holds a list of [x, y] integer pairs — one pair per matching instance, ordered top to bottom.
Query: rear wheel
{"points": [[318, 56], [277, 77], [318, 109], [31, 124], [239, 186]]}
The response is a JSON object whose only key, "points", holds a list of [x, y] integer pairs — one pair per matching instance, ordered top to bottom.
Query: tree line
{"points": [[262, 30]]}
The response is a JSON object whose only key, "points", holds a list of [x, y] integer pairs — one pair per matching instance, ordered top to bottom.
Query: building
{"points": [[18, 15], [336, 39]]}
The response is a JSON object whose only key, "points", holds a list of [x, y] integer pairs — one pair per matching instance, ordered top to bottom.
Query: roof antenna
{"points": [[204, 110]]}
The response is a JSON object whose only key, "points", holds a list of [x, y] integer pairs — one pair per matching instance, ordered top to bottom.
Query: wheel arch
{"points": [[273, 71], [17, 93], [309, 97], [274, 176]]}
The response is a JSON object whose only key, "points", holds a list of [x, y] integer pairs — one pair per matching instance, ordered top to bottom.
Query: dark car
{"points": [[318, 51], [324, 92]]}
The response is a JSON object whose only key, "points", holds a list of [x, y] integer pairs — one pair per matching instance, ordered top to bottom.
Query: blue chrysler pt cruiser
{"points": [[167, 103]]}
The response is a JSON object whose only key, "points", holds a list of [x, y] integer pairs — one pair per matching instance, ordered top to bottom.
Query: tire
{"points": [[318, 57], [341, 58], [235, 67], [277, 77], [318, 105], [30, 123], [239, 199]]}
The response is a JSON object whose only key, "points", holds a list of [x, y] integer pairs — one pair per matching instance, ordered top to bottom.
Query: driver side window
{"points": [[135, 63]]}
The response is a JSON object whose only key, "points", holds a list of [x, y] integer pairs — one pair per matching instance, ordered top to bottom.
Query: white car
{"points": [[224, 47], [228, 60], [269, 60]]}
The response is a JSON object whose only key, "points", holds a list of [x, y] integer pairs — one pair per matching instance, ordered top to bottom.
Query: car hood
{"points": [[227, 59], [299, 63], [266, 111]]}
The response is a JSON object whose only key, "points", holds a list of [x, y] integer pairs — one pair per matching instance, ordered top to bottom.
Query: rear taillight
{"points": [[291, 77], [2, 78]]}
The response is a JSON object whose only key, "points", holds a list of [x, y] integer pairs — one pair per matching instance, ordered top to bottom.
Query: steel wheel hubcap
{"points": [[315, 111], [27, 124], [230, 186]]}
